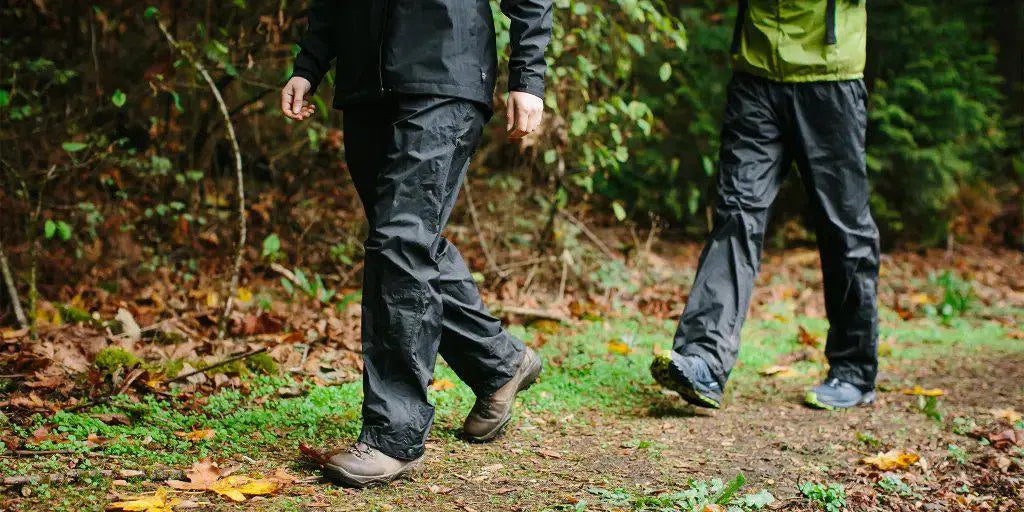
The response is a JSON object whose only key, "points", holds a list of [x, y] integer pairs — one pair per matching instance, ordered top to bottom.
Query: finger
{"points": [[286, 100], [297, 101], [510, 113], [535, 118], [523, 120]]}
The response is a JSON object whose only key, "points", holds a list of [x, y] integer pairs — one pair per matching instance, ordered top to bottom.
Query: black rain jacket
{"points": [[437, 47]]}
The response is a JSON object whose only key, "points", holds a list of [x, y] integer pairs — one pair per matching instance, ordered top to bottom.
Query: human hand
{"points": [[293, 102], [523, 114]]}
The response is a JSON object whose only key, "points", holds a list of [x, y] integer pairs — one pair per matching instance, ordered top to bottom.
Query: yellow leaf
{"points": [[244, 295], [921, 299], [212, 300], [617, 346], [779, 371], [442, 385], [918, 390], [1008, 415], [892, 459], [235, 487], [155, 503]]}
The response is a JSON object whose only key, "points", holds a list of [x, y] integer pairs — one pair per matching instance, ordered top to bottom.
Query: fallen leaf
{"points": [[244, 294], [920, 299], [129, 327], [806, 338], [617, 346], [779, 371], [442, 385], [918, 390], [1008, 415], [198, 435], [1006, 439], [549, 454], [890, 460], [236, 487], [155, 503], [711, 507]]}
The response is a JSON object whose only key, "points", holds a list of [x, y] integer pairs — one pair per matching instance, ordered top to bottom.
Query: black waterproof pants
{"points": [[767, 126], [408, 156]]}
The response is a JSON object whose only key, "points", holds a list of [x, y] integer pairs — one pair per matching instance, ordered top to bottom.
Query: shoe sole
{"points": [[531, 377], [685, 388], [811, 400], [338, 474]]}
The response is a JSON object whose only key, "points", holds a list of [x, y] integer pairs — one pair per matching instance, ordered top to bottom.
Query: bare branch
{"points": [[230, 128]]}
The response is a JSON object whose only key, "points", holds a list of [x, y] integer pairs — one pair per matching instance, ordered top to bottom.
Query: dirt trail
{"points": [[775, 442]]}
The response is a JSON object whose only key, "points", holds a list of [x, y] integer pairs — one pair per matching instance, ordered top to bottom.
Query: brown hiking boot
{"points": [[490, 414], [363, 465]]}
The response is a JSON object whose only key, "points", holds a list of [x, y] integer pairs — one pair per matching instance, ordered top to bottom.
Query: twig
{"points": [[230, 129], [480, 232], [590, 234], [12, 290], [538, 313], [218, 364], [132, 377], [69, 475]]}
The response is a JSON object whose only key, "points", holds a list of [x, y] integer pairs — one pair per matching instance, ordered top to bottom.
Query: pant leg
{"points": [[830, 120], [407, 158], [752, 166]]}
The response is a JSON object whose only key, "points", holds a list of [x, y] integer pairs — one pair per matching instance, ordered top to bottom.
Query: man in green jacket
{"points": [[797, 96]]}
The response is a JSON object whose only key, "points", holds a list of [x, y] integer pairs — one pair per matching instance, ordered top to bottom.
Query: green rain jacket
{"points": [[801, 40]]}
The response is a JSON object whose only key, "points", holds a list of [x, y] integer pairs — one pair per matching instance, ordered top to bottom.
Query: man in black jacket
{"points": [[415, 79]]}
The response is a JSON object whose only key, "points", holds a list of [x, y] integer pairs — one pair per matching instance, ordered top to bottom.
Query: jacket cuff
{"points": [[306, 67], [520, 83]]}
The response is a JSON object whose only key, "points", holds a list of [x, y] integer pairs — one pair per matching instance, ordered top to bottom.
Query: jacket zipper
{"points": [[380, 50]]}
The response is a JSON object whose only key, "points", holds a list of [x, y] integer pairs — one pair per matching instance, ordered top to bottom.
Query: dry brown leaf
{"points": [[806, 338], [442, 385], [918, 390], [1008, 415], [198, 435], [549, 453], [892, 459], [206, 476], [155, 503], [711, 507]]}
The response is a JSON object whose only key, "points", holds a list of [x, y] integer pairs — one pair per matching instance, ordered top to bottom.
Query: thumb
{"points": [[297, 100], [510, 112]]}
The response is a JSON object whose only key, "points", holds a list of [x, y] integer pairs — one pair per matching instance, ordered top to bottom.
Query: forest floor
{"points": [[595, 433]]}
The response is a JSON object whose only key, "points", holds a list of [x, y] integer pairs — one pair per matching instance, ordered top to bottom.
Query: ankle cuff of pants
{"points": [[710, 357], [863, 378], [492, 385], [380, 442]]}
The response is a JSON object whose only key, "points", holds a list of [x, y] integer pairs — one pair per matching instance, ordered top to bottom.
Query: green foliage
{"points": [[936, 112], [957, 296], [110, 359], [929, 406], [893, 484], [694, 497], [830, 497]]}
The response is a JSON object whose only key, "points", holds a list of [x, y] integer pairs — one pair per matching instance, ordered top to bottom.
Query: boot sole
{"points": [[531, 377], [685, 388], [811, 400], [338, 475]]}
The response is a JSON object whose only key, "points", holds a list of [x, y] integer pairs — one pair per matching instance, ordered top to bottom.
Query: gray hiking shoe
{"points": [[689, 376], [836, 394], [491, 413], [364, 465]]}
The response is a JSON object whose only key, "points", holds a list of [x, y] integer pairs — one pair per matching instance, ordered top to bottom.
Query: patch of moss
{"points": [[112, 358], [262, 363], [172, 368]]}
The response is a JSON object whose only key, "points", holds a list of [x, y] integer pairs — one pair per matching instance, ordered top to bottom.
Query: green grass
{"points": [[580, 374]]}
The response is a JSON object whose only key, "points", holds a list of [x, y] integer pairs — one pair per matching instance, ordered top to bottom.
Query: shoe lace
{"points": [[360, 450]]}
